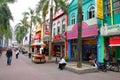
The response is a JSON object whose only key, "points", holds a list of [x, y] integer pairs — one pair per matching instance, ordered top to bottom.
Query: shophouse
{"points": [[89, 29], [110, 31], [46, 34], [37, 38], [59, 45]]}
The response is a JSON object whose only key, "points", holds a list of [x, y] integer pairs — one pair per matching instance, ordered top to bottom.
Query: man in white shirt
{"points": [[62, 63]]}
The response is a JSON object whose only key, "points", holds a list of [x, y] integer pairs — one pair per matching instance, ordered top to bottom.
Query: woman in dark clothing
{"points": [[9, 56]]}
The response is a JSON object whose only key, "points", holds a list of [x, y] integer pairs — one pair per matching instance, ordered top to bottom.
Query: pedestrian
{"points": [[0, 52], [17, 53], [29, 54], [9, 56], [62, 63]]}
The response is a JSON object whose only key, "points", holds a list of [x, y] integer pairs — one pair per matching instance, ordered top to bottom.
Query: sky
{"points": [[19, 7]]}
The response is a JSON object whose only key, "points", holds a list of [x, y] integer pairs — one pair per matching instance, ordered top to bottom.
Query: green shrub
{"points": [[66, 58]]}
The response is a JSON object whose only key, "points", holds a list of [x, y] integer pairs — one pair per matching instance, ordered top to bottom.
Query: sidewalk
{"points": [[72, 66], [86, 68]]}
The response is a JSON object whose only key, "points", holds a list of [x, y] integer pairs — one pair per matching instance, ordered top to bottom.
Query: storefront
{"points": [[89, 39], [46, 41], [111, 41], [58, 46], [89, 46]]}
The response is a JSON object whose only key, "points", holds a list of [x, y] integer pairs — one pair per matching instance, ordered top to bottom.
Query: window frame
{"points": [[116, 6], [91, 12], [73, 19]]}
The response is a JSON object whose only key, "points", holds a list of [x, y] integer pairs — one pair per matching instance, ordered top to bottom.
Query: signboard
{"points": [[100, 9], [58, 13], [47, 29], [110, 30], [87, 31], [37, 36], [115, 41]]}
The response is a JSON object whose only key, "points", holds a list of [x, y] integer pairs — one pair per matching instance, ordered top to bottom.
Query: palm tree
{"points": [[8, 1], [44, 7], [5, 16], [34, 19], [20, 28], [79, 54]]}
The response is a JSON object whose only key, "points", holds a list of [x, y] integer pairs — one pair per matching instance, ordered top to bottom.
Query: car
{"points": [[24, 51]]}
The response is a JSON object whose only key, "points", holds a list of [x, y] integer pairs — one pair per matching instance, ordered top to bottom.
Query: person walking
{"points": [[0, 52], [17, 53], [9, 56]]}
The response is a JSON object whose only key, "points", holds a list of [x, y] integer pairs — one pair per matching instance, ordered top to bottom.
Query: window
{"points": [[107, 4], [116, 6], [91, 12], [82, 15], [73, 19], [63, 26], [58, 29], [54, 32]]}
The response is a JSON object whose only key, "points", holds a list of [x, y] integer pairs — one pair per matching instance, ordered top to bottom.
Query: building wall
{"points": [[73, 9], [108, 20]]}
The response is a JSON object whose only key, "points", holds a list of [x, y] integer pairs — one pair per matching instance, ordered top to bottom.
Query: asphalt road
{"points": [[24, 69]]}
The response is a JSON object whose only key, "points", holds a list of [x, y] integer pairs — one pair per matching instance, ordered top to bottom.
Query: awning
{"points": [[114, 41], [37, 44], [114, 45]]}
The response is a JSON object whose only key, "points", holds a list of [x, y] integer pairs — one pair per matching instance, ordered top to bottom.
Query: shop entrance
{"points": [[89, 49], [112, 51]]}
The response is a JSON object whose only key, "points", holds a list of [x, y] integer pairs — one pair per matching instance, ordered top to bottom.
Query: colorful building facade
{"points": [[89, 29], [100, 29], [110, 31], [59, 45]]}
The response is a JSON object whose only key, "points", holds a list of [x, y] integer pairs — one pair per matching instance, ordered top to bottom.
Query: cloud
{"points": [[19, 7]]}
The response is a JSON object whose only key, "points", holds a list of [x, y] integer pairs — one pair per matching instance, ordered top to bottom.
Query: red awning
{"points": [[115, 41], [114, 45]]}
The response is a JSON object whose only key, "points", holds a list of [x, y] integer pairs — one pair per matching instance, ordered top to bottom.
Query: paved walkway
{"points": [[24, 69]]}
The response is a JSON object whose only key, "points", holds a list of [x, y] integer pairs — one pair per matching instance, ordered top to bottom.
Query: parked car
{"points": [[24, 51]]}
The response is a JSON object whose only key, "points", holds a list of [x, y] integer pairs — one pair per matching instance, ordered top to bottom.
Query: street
{"points": [[24, 69]]}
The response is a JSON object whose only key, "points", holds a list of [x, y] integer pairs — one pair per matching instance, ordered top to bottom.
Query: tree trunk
{"points": [[30, 38], [50, 38], [79, 46]]}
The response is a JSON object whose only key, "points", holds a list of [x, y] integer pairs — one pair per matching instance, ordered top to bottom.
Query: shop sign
{"points": [[100, 9], [58, 13], [47, 29], [89, 29], [110, 30], [72, 31], [37, 36], [90, 41], [115, 41]]}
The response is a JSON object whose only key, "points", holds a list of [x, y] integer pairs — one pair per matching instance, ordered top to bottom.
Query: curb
{"points": [[81, 70]]}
